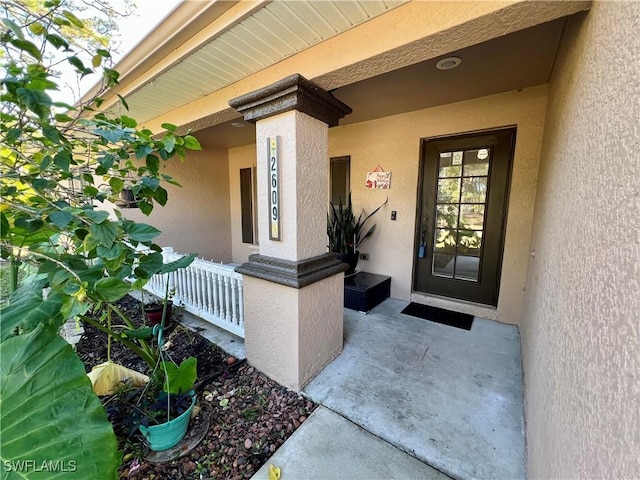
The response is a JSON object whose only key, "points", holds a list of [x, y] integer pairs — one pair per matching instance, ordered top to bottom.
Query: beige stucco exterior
{"points": [[394, 143], [303, 182], [196, 219], [571, 266], [581, 327], [292, 332], [295, 334]]}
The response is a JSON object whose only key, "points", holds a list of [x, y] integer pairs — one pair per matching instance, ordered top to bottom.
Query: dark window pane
{"points": [[476, 162], [447, 169], [340, 180], [474, 189], [449, 190], [246, 205], [447, 216], [472, 216], [445, 240], [469, 242], [443, 265], [467, 268]]}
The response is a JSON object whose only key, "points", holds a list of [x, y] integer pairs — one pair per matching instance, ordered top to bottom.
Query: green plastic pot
{"points": [[166, 435]]}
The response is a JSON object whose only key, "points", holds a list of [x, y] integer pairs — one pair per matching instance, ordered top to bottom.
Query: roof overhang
{"points": [[205, 53]]}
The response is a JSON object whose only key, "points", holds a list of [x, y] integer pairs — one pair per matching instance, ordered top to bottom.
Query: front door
{"points": [[462, 215]]}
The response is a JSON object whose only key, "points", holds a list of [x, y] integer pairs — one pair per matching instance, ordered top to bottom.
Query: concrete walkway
{"points": [[450, 398], [328, 446]]}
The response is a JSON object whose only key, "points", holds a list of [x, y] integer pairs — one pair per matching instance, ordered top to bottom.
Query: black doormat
{"points": [[439, 315]]}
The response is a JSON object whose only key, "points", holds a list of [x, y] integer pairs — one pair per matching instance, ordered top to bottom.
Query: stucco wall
{"points": [[394, 143], [303, 183], [196, 218], [581, 326], [289, 333]]}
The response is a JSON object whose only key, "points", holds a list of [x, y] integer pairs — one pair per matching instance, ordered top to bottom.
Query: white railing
{"points": [[212, 291]]}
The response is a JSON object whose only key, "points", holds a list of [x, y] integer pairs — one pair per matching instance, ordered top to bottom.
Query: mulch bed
{"points": [[250, 415]]}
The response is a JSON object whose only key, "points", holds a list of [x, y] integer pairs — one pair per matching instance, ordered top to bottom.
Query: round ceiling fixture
{"points": [[448, 63], [237, 124]]}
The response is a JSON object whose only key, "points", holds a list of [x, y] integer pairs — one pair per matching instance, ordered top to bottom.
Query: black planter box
{"points": [[363, 291]]}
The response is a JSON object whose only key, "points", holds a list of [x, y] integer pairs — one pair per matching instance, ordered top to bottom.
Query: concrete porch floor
{"points": [[405, 395], [449, 397]]}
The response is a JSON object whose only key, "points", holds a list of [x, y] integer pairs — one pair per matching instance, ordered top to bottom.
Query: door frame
{"points": [[419, 214]]}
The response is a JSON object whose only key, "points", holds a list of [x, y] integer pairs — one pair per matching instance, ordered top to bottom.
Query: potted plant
{"points": [[127, 198], [345, 232], [154, 311], [165, 412]]}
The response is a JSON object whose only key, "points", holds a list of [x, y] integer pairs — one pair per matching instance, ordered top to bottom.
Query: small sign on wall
{"points": [[273, 145], [378, 179]]}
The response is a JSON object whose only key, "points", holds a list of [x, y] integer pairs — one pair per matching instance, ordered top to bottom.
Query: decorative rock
{"points": [[257, 420]]}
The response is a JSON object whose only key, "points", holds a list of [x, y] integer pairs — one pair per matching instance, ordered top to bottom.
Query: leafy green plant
{"points": [[61, 167], [346, 233], [179, 378], [44, 391], [176, 394], [167, 395]]}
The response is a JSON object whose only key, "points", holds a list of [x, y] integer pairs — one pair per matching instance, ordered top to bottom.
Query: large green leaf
{"points": [[28, 47], [36, 101], [192, 143], [61, 218], [141, 232], [105, 233], [182, 262], [149, 265], [111, 289], [27, 309], [50, 415]]}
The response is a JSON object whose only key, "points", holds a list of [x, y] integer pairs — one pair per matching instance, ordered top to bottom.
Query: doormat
{"points": [[439, 315]]}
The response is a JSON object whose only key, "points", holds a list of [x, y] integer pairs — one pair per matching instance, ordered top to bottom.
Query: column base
{"points": [[291, 334]]}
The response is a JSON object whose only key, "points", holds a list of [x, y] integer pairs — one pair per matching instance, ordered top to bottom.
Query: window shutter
{"points": [[246, 205]]}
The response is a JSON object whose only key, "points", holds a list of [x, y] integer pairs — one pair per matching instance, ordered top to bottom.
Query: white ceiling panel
{"points": [[276, 31]]}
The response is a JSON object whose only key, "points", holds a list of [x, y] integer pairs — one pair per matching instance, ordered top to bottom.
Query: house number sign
{"points": [[274, 188]]}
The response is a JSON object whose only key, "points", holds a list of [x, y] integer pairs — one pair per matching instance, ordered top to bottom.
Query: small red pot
{"points": [[154, 314]]}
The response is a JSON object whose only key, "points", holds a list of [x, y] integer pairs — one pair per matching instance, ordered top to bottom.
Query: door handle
{"points": [[422, 248]]}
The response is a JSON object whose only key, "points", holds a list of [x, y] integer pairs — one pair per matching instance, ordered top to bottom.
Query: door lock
{"points": [[422, 248]]}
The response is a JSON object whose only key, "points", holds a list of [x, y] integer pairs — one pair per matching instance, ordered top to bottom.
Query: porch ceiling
{"points": [[269, 33], [518, 60]]}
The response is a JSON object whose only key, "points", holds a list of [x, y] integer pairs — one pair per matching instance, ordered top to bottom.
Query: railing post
{"points": [[214, 289], [241, 305], [234, 306], [221, 309], [227, 309]]}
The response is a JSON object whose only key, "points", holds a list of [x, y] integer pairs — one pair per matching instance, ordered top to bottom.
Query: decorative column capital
{"points": [[291, 93], [292, 274]]}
